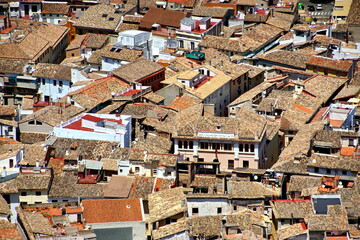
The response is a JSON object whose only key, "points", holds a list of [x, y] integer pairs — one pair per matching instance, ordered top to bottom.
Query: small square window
{"points": [[137, 169], [316, 169], [328, 171], [344, 172], [38, 193], [23, 194], [219, 210], [195, 211]]}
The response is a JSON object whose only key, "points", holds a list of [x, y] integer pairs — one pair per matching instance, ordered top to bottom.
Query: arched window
{"points": [[180, 144], [185, 144], [191, 146], [241, 146], [246, 147], [252, 148]]}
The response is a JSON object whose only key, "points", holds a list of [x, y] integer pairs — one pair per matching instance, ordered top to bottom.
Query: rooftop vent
{"points": [[104, 15]]}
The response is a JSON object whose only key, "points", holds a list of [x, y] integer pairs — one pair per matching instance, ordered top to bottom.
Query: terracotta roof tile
{"points": [[55, 8], [163, 17], [339, 65], [137, 70], [112, 210]]}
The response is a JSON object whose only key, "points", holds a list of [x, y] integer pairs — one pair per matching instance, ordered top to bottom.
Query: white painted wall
{"points": [[52, 88], [208, 206]]}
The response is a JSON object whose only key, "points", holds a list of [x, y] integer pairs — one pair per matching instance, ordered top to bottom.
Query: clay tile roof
{"points": [[143, 3], [186, 3], [55, 8], [216, 12], [99, 16], [353, 16], [163, 17], [132, 18], [281, 20], [127, 26], [258, 36], [93, 40], [325, 40], [223, 43], [13, 51], [124, 54], [290, 58], [339, 65], [12, 66], [137, 70], [54, 71], [98, 91], [153, 97], [183, 102], [8, 110], [53, 115], [8, 149], [32, 153], [334, 162], [298, 183], [65, 185], [119, 186], [142, 187], [249, 190], [167, 203], [4, 207], [288, 209], [112, 210], [246, 220], [335, 220], [35, 223], [207, 226], [170, 229], [9, 230], [291, 231]]}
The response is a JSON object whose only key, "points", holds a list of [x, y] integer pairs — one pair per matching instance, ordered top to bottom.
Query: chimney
{"points": [[37, 163], [4, 173]]}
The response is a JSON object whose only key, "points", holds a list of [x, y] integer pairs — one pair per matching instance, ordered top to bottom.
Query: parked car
{"points": [[319, 7], [311, 8]]}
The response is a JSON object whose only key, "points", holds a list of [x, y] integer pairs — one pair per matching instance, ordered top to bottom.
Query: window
{"points": [[34, 8], [181, 44], [192, 45], [43, 81], [54, 83], [60, 83], [32, 122], [38, 123], [351, 142], [180, 144], [185, 144], [191, 145], [228, 147], [241, 147], [246, 147], [252, 148], [200, 160], [11, 163], [230, 164], [245, 164], [137, 169], [316, 169], [328, 171], [343, 172], [38, 193], [23, 194], [54, 201], [235, 207], [219, 210], [195, 211]]}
